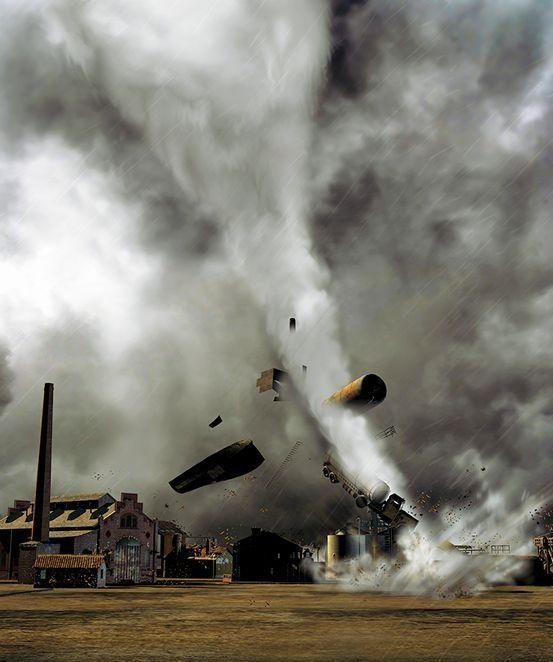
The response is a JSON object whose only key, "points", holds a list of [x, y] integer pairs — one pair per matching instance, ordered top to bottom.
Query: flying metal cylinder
{"points": [[367, 391], [379, 491], [376, 495]]}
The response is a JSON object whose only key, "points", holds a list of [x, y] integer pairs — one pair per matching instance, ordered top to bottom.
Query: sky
{"points": [[177, 182]]}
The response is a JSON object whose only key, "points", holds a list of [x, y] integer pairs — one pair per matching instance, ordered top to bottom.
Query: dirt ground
{"points": [[258, 622]]}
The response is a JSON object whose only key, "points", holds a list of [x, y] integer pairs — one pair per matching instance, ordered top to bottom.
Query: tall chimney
{"points": [[41, 509]]}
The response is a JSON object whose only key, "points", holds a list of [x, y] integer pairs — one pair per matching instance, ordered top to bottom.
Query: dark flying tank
{"points": [[367, 391], [230, 462]]}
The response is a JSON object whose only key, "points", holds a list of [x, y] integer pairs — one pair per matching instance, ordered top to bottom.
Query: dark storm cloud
{"points": [[360, 32], [365, 32], [516, 49], [46, 94], [434, 219], [201, 344], [210, 370], [6, 379], [85, 421]]}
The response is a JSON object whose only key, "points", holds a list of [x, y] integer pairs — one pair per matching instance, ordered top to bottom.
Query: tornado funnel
{"points": [[367, 391], [232, 461]]}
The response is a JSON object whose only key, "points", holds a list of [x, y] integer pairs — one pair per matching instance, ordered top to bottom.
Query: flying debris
{"points": [[292, 324], [272, 379], [367, 391], [215, 422], [387, 432], [232, 461], [284, 462], [388, 509], [544, 545]]}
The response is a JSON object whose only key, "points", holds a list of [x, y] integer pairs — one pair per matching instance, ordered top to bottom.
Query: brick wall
{"points": [[112, 531]]}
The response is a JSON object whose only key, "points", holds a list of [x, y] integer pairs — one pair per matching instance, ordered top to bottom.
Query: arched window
{"points": [[128, 521]]}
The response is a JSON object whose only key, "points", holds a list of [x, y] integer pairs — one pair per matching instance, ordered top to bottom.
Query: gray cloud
{"points": [[516, 49], [46, 94], [430, 208], [433, 214], [201, 349], [6, 379], [85, 422]]}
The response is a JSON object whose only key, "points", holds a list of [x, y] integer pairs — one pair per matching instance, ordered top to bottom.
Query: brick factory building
{"points": [[87, 524]]}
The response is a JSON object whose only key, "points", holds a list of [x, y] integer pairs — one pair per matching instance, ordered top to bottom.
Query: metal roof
{"points": [[93, 496], [61, 518], [165, 526], [74, 533], [261, 534], [69, 561]]}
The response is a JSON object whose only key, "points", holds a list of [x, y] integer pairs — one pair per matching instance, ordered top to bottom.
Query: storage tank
{"points": [[341, 546]]}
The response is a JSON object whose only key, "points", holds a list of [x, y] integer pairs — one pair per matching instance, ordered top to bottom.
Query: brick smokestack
{"points": [[41, 509]]}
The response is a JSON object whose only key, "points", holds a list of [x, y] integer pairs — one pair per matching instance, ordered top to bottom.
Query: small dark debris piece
{"points": [[292, 324], [304, 369], [215, 422], [483, 469], [167, 505]]}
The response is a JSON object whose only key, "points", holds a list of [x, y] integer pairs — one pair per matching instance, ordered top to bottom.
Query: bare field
{"points": [[258, 622]]}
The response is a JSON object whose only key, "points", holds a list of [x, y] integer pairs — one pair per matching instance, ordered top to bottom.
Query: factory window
{"points": [[128, 522]]}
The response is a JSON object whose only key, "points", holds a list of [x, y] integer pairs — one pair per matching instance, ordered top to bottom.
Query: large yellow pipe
{"points": [[367, 391]]}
